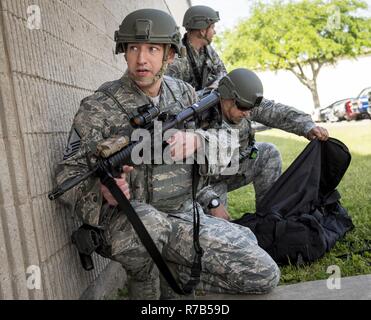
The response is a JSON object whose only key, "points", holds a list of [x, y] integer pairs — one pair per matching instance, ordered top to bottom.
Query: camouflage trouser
{"points": [[262, 172], [232, 262]]}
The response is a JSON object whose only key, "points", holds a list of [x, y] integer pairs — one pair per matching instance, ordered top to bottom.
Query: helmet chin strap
{"points": [[204, 37], [207, 40], [165, 63]]}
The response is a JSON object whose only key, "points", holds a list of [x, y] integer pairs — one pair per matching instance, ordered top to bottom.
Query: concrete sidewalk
{"points": [[352, 288]]}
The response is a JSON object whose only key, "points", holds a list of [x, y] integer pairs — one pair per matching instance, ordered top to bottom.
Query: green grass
{"points": [[355, 189]]}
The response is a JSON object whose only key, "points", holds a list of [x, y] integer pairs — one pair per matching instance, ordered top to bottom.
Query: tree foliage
{"points": [[294, 35]]}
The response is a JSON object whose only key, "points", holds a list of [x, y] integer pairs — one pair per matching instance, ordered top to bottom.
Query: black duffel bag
{"points": [[301, 216]]}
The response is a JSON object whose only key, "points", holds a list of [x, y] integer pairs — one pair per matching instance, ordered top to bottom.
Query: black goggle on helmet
{"points": [[244, 86]]}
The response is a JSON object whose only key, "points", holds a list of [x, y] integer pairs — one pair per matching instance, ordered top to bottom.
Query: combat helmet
{"points": [[200, 17], [148, 25], [242, 85]]}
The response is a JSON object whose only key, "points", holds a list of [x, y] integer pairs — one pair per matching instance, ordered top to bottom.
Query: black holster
{"points": [[87, 239]]}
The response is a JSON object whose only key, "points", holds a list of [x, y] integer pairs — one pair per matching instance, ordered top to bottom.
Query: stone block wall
{"points": [[47, 66]]}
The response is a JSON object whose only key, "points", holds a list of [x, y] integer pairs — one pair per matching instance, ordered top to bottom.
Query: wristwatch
{"points": [[214, 203]]}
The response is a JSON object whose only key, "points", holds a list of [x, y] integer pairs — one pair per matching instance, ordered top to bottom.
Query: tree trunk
{"points": [[309, 82], [315, 96]]}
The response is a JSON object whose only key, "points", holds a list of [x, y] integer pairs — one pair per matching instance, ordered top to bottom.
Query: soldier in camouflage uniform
{"points": [[201, 66], [238, 111], [161, 194]]}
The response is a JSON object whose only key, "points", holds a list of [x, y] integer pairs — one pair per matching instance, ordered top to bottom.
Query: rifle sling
{"points": [[199, 77], [148, 242]]}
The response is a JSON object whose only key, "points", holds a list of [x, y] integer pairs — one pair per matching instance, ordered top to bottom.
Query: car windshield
{"points": [[365, 92]]}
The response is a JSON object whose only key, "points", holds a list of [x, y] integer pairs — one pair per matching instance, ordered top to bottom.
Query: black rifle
{"points": [[203, 112]]}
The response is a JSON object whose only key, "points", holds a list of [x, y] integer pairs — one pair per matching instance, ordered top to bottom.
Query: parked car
{"points": [[364, 102], [358, 108], [344, 109], [348, 109], [351, 111], [327, 114]]}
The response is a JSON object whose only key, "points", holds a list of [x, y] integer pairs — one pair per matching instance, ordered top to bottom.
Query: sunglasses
{"points": [[248, 106]]}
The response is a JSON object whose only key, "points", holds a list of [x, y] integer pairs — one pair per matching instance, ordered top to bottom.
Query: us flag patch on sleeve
{"points": [[73, 145]]}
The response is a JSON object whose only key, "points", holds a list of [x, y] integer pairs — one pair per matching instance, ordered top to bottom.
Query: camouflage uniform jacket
{"points": [[210, 67], [271, 114], [277, 115], [166, 187]]}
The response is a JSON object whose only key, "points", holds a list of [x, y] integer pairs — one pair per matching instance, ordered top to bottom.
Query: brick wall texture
{"points": [[44, 73]]}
